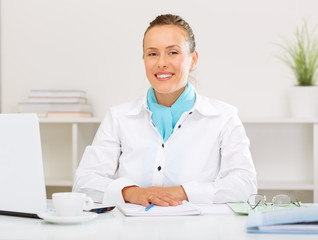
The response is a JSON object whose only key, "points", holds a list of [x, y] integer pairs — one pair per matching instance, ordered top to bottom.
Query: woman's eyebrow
{"points": [[173, 46], [168, 47], [151, 48]]}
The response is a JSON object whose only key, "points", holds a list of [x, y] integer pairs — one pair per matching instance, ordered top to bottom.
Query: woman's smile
{"points": [[164, 76]]}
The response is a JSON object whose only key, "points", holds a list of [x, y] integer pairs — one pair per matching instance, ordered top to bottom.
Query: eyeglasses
{"points": [[280, 200]]}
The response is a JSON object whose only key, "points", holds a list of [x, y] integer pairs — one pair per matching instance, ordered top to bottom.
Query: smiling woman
{"points": [[169, 54], [168, 61], [172, 144]]}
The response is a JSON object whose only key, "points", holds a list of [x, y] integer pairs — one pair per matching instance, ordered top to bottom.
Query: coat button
{"points": [[179, 126], [163, 145], [159, 168]]}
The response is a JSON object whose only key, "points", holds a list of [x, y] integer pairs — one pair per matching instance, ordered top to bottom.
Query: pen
{"points": [[150, 206]]}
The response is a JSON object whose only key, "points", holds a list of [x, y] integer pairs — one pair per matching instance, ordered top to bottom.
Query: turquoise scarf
{"points": [[165, 118]]}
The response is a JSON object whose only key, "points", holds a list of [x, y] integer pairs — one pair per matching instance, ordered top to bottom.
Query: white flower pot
{"points": [[303, 101]]}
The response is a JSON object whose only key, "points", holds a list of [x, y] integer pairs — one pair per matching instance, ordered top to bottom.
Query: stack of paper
{"points": [[57, 104], [133, 210], [292, 220]]}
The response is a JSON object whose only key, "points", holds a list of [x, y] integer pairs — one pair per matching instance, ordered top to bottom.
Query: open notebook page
{"points": [[135, 210]]}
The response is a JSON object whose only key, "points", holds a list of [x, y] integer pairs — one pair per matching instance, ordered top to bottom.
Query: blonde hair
{"points": [[169, 19]]}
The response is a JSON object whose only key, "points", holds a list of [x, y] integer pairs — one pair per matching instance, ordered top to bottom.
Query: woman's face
{"points": [[167, 58]]}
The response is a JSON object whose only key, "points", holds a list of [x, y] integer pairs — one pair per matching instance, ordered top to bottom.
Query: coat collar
{"points": [[202, 104], [141, 105], [205, 106]]}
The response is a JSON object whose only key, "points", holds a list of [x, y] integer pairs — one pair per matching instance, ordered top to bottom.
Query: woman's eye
{"points": [[173, 52], [152, 54]]}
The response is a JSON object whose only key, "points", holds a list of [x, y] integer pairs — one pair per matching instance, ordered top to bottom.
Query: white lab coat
{"points": [[207, 153]]}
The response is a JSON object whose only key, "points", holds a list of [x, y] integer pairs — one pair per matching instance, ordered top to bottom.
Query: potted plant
{"points": [[301, 56]]}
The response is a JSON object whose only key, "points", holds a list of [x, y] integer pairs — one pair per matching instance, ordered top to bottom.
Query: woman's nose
{"points": [[162, 62]]}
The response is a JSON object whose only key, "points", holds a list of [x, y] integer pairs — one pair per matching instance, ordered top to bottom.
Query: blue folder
{"points": [[302, 220]]}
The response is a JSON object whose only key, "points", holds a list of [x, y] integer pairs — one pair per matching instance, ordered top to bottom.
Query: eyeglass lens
{"points": [[256, 200], [281, 200]]}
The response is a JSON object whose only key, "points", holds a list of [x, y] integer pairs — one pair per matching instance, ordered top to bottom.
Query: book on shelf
{"points": [[57, 93], [57, 99], [57, 104], [54, 107]]}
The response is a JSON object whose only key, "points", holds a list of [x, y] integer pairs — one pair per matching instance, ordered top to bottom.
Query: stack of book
{"points": [[57, 104]]}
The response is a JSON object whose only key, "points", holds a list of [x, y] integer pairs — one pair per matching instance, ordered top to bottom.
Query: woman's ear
{"points": [[194, 60]]}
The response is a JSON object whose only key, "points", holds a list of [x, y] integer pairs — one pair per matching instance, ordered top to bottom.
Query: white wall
{"points": [[96, 46]]}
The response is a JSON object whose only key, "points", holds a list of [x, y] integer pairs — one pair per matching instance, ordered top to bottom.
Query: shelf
{"points": [[69, 120], [244, 120], [279, 120], [63, 144], [288, 144], [285, 154], [58, 183], [285, 186]]}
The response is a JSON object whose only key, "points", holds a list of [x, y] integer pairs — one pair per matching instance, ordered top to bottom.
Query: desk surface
{"points": [[114, 225]]}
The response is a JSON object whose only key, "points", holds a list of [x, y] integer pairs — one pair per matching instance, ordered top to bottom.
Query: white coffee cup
{"points": [[71, 204]]}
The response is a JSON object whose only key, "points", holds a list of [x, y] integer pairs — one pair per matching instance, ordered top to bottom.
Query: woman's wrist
{"points": [[127, 191], [179, 192], [183, 194]]}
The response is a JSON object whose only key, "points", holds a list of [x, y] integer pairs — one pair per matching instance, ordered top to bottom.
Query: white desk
{"points": [[113, 225]]}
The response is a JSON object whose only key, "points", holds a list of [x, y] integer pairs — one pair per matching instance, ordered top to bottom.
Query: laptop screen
{"points": [[22, 184]]}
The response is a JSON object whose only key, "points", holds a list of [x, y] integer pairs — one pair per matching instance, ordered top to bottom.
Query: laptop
{"points": [[22, 184]]}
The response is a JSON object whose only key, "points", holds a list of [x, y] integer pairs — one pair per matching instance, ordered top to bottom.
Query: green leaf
{"points": [[301, 55]]}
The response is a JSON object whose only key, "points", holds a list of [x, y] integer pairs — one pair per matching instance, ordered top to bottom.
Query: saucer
{"points": [[53, 218]]}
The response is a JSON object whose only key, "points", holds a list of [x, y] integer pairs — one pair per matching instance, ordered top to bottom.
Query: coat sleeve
{"points": [[96, 174], [236, 180]]}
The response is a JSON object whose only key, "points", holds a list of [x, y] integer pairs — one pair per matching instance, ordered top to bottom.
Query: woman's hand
{"points": [[161, 196]]}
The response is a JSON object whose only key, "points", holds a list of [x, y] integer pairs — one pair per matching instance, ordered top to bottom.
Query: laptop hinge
{"points": [[19, 214]]}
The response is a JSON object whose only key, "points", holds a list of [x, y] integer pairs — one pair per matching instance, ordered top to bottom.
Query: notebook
{"points": [[22, 183], [134, 210]]}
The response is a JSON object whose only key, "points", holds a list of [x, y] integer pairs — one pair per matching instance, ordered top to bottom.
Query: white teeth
{"points": [[164, 75]]}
